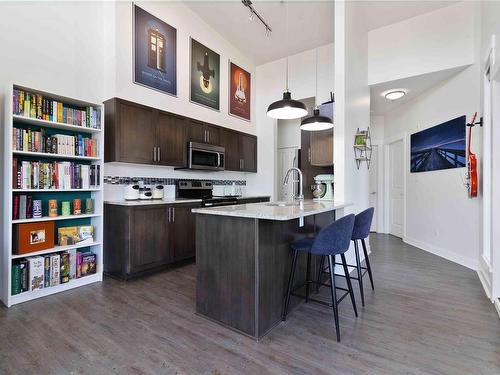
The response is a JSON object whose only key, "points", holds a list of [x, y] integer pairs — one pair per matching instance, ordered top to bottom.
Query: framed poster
{"points": [[155, 52], [204, 76], [239, 92], [439, 147]]}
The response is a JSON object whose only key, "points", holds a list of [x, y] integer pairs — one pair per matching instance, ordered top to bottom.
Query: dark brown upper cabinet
{"points": [[201, 132], [143, 135], [229, 139], [171, 140], [132, 141], [321, 148], [248, 152]]}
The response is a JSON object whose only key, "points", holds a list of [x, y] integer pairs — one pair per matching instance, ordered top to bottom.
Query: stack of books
{"points": [[37, 106], [37, 141], [54, 175], [38, 272]]}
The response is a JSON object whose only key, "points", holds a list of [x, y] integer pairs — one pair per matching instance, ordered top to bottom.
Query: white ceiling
{"points": [[383, 13], [311, 23], [310, 26], [414, 86]]}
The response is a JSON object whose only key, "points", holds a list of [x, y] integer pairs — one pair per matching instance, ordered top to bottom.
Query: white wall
{"points": [[188, 24], [427, 43], [269, 88], [352, 107], [440, 217]]}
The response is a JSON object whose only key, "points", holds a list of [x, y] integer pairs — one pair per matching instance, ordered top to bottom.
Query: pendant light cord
{"points": [[286, 88], [316, 97]]}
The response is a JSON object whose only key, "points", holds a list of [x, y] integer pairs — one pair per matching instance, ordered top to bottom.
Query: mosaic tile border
{"points": [[115, 180]]}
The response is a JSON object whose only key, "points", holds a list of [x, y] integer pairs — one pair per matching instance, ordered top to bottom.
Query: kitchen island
{"points": [[243, 259]]}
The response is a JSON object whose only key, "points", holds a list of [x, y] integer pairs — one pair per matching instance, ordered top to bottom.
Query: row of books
{"points": [[37, 106], [37, 141], [54, 175], [23, 207], [38, 272]]}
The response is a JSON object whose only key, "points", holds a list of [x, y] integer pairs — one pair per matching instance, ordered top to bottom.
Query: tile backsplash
{"points": [[116, 180]]}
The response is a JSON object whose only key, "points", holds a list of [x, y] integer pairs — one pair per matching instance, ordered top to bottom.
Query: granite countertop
{"points": [[152, 202], [268, 212]]}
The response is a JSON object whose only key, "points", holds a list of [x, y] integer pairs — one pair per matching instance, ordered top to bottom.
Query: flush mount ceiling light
{"points": [[394, 94], [287, 108], [316, 121]]}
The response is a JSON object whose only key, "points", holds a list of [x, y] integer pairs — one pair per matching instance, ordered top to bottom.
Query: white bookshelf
{"points": [[96, 219]]}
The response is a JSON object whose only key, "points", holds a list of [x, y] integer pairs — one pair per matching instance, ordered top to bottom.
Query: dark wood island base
{"points": [[243, 266]]}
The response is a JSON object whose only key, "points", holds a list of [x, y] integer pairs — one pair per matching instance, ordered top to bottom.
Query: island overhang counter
{"points": [[243, 259]]}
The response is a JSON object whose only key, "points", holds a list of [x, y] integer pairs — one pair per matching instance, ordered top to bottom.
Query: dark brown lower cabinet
{"points": [[143, 239]]}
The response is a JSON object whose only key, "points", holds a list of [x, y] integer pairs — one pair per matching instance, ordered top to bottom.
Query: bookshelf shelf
{"points": [[11, 121], [54, 125], [55, 156], [51, 190], [47, 218], [55, 249], [75, 283]]}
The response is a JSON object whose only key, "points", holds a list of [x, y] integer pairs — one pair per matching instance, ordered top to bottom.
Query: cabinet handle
{"points": [[205, 135], [208, 136], [154, 153], [159, 153], [309, 154], [243, 163], [169, 214], [173, 214]]}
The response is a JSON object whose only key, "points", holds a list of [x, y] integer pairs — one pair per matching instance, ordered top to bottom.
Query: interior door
{"points": [[137, 134], [171, 140], [373, 172], [396, 188]]}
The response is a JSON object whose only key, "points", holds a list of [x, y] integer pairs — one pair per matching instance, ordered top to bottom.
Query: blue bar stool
{"points": [[361, 230], [329, 242]]}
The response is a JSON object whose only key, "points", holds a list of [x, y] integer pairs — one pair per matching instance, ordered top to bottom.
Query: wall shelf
{"points": [[362, 147], [7, 224]]}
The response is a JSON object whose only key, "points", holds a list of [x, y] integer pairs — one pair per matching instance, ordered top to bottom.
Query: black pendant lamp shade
{"points": [[287, 108], [316, 122]]}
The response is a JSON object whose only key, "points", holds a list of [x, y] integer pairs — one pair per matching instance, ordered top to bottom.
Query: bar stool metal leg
{"points": [[367, 260], [331, 264], [320, 272], [360, 272], [308, 276], [290, 284], [349, 284]]}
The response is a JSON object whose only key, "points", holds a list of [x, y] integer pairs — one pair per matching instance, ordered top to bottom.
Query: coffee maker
{"points": [[322, 189]]}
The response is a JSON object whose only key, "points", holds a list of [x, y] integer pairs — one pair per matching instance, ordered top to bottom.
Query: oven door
{"points": [[206, 157]]}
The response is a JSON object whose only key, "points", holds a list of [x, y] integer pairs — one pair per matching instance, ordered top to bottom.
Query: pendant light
{"points": [[287, 108], [316, 121]]}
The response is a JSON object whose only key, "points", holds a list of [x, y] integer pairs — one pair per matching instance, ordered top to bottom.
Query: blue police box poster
{"points": [[155, 52]]}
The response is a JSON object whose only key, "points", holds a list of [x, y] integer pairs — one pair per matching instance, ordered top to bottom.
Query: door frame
{"points": [[386, 172], [379, 208]]}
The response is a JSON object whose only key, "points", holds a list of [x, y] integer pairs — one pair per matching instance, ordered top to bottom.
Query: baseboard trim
{"points": [[464, 261], [485, 283], [497, 305]]}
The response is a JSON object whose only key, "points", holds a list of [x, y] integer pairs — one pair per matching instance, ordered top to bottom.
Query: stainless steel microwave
{"points": [[206, 156]]}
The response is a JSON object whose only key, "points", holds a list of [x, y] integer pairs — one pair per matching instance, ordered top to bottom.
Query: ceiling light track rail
{"points": [[253, 13]]}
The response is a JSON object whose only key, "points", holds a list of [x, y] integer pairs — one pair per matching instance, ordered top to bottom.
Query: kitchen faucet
{"points": [[300, 197]]}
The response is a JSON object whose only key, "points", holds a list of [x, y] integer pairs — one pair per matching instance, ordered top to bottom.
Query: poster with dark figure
{"points": [[155, 52], [205, 75], [239, 92], [440, 147]]}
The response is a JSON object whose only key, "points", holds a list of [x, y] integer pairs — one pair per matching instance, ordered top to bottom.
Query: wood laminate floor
{"points": [[427, 316]]}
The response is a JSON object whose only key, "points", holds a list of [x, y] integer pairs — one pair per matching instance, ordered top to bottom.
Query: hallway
{"points": [[427, 316]]}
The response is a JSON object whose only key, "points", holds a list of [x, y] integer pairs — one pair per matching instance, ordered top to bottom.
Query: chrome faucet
{"points": [[300, 197]]}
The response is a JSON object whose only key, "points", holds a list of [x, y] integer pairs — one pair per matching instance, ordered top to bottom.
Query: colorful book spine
{"points": [[46, 262], [65, 267], [55, 268], [24, 270], [36, 272], [15, 279]]}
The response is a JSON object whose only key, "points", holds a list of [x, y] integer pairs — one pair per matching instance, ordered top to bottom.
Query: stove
{"points": [[197, 189]]}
